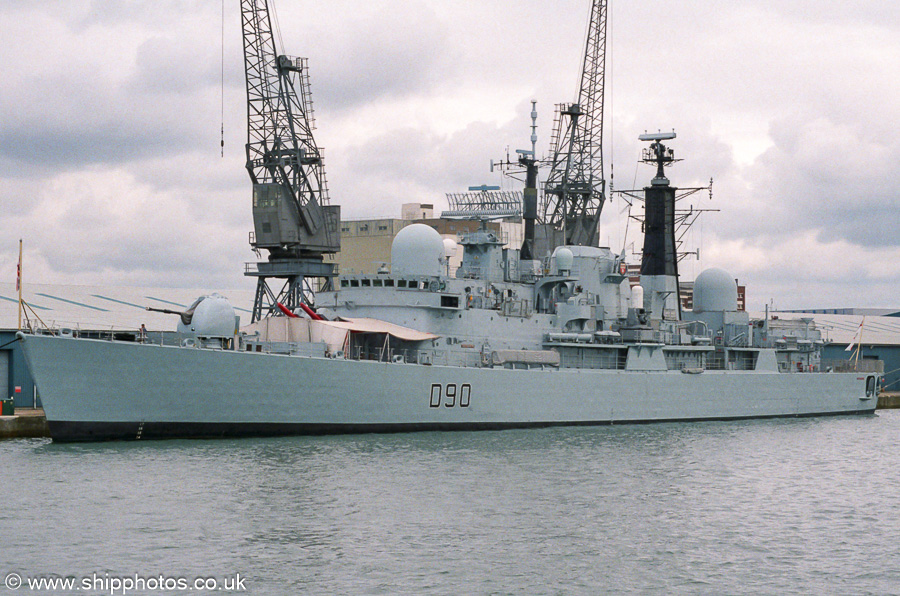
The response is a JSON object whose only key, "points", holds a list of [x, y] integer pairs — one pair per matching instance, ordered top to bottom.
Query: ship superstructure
{"points": [[574, 309]]}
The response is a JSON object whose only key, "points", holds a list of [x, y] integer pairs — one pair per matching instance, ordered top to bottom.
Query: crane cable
{"points": [[274, 19], [222, 85]]}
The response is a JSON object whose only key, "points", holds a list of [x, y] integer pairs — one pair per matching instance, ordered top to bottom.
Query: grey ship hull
{"points": [[99, 390]]}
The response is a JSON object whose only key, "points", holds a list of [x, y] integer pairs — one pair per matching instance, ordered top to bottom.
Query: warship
{"points": [[549, 332], [505, 342]]}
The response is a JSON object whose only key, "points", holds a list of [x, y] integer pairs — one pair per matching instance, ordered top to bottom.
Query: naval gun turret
{"points": [[209, 321]]}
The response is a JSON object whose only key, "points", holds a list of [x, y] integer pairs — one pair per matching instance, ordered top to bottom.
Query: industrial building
{"points": [[366, 243]]}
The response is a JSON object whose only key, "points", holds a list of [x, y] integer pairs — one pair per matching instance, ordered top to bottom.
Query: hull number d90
{"points": [[451, 395]]}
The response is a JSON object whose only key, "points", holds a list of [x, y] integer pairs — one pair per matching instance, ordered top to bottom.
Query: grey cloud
{"points": [[159, 15], [393, 55], [168, 65], [811, 80], [136, 95], [49, 148], [809, 167], [157, 237]]}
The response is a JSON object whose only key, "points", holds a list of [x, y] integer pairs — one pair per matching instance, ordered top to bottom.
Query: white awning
{"points": [[377, 326], [332, 333]]}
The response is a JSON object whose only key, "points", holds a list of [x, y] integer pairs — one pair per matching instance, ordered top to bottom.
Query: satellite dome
{"points": [[450, 247], [417, 250], [564, 259], [715, 290], [208, 316]]}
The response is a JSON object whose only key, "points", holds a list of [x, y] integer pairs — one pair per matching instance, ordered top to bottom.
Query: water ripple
{"points": [[757, 507]]}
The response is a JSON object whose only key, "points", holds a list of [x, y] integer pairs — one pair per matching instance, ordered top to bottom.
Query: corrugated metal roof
{"points": [[109, 307], [841, 329]]}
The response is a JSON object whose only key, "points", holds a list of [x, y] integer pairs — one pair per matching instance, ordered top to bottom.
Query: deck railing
{"points": [[862, 366]]}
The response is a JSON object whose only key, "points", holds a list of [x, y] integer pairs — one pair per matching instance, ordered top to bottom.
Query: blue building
{"points": [[875, 331]]}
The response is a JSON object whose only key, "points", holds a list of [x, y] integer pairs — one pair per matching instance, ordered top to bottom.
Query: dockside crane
{"points": [[574, 191], [292, 217]]}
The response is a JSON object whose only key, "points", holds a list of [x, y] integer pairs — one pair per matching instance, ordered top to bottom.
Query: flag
{"points": [[19, 269], [856, 337]]}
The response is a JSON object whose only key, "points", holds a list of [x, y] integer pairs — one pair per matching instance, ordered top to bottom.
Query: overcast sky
{"points": [[110, 166]]}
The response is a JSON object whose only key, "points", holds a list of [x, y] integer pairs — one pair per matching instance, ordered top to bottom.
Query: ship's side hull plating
{"points": [[96, 390]]}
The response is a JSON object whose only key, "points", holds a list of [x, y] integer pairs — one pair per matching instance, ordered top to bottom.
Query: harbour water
{"points": [[799, 506]]}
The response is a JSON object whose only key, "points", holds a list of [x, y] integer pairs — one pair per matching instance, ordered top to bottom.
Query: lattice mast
{"points": [[574, 191], [292, 217]]}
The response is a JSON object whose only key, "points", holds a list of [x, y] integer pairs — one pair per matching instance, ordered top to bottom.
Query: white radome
{"points": [[450, 247], [417, 250], [565, 258], [715, 290]]}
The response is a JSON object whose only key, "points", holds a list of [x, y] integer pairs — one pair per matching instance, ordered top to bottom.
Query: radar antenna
{"points": [[661, 156], [574, 191], [484, 201], [292, 217]]}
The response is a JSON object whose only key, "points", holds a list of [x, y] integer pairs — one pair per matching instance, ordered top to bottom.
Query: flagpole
{"points": [[19, 283], [859, 345]]}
